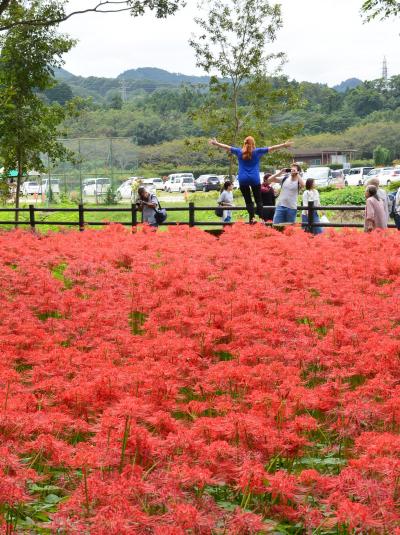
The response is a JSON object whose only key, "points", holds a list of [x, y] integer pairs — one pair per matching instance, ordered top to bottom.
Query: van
{"points": [[356, 176], [180, 182], [55, 186], [96, 186]]}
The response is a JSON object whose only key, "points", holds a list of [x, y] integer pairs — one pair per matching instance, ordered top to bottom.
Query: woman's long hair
{"points": [[248, 146], [225, 185]]}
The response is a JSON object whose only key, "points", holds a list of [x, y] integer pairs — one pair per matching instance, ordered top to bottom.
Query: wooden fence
{"points": [[134, 214]]}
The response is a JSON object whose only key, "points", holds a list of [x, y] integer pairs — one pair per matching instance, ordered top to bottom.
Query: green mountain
{"points": [[161, 76], [351, 83]]}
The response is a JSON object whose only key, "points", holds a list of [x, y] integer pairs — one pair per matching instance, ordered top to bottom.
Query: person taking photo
{"points": [[291, 184], [147, 203]]}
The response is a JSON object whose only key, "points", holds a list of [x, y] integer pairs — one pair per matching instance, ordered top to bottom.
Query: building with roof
{"points": [[325, 156]]}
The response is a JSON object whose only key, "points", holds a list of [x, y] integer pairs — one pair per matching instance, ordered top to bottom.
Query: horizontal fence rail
{"points": [[191, 209]]}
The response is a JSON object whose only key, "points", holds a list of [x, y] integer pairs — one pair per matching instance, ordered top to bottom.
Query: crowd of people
{"points": [[262, 200], [283, 209]]}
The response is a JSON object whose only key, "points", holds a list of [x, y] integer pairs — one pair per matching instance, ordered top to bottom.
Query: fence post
{"points": [[191, 214], [134, 215], [310, 216], [32, 217], [81, 217]]}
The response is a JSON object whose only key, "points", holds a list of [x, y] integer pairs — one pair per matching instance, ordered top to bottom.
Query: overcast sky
{"points": [[324, 40]]}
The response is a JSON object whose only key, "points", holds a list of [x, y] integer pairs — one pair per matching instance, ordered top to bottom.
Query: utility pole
{"points": [[384, 70], [122, 84]]}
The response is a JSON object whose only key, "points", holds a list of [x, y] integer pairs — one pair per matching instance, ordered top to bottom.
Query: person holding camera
{"points": [[147, 203], [286, 206]]}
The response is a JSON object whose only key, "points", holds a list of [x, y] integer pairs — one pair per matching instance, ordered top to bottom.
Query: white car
{"points": [[322, 175], [385, 175], [356, 176], [180, 182], [158, 183], [148, 184], [55, 186], [96, 186], [30, 188], [124, 191]]}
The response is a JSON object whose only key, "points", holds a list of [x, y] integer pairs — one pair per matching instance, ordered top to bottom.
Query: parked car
{"points": [[321, 175], [357, 175], [385, 175], [180, 182], [158, 183], [208, 183], [148, 184], [55, 186], [96, 186], [30, 188], [124, 191]]}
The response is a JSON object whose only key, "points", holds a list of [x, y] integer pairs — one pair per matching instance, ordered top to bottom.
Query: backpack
{"points": [[392, 203], [160, 214]]}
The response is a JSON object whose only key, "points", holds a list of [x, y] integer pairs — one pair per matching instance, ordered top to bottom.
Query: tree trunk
{"points": [[237, 124], [17, 191]]}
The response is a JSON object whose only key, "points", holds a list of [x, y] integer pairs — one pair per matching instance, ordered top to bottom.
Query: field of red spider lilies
{"points": [[173, 383]]}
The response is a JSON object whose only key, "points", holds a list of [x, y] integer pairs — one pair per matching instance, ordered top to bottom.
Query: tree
{"points": [[380, 8], [55, 11], [231, 46], [61, 93], [363, 100], [116, 102], [29, 126], [382, 156]]}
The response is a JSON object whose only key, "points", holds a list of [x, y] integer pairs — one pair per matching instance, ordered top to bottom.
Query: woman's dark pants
{"points": [[246, 192]]}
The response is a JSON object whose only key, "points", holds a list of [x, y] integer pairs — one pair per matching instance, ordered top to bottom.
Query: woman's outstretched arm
{"points": [[216, 143], [281, 146]]}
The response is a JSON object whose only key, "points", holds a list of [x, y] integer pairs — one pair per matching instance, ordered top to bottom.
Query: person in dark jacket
{"points": [[268, 198]]}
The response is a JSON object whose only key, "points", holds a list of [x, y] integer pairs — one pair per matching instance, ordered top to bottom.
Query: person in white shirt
{"points": [[311, 194], [226, 199]]}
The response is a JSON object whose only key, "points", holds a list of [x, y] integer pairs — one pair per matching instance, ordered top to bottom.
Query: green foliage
{"points": [[380, 8], [55, 11], [61, 93], [243, 99], [29, 126], [363, 138], [382, 156], [393, 186], [351, 196], [110, 197], [136, 320]]}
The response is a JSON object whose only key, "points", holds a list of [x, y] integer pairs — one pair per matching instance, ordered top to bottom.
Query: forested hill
{"points": [[161, 76], [146, 80], [153, 106]]}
